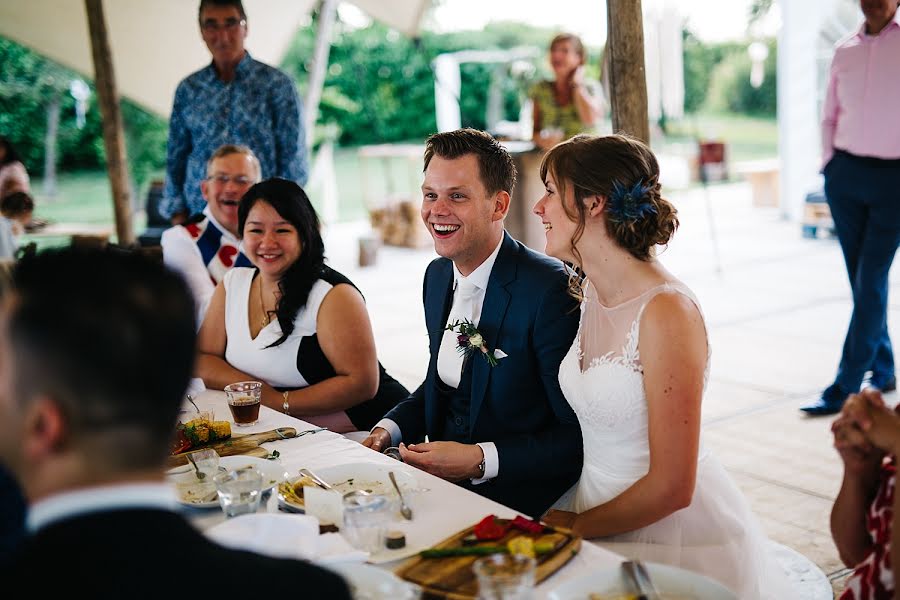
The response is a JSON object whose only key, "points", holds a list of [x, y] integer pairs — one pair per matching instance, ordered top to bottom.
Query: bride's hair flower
{"points": [[630, 204], [470, 339]]}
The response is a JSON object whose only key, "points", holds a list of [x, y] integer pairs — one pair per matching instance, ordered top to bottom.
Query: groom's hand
{"points": [[378, 440], [448, 460]]}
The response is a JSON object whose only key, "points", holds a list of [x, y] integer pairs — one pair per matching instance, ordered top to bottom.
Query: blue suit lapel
{"points": [[496, 300]]}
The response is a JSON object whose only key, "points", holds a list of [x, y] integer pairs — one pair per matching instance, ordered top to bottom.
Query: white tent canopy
{"points": [[156, 43]]}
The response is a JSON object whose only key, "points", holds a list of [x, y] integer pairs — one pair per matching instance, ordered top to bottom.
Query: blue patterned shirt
{"points": [[260, 108]]}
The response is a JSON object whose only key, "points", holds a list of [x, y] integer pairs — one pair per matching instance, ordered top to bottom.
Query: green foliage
{"points": [[30, 82], [380, 86], [731, 91]]}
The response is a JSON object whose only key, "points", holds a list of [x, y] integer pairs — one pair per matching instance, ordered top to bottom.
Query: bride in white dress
{"points": [[635, 377]]}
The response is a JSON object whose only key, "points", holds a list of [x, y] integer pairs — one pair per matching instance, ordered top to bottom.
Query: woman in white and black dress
{"points": [[292, 322]]}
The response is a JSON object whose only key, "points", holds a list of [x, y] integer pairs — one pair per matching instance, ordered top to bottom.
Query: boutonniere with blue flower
{"points": [[469, 340]]}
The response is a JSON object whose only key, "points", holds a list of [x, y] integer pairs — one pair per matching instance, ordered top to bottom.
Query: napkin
{"points": [[284, 536]]}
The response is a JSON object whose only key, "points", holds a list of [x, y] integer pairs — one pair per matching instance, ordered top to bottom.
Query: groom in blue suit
{"points": [[502, 430]]}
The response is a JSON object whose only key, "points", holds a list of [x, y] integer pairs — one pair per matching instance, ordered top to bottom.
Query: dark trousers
{"points": [[864, 197]]}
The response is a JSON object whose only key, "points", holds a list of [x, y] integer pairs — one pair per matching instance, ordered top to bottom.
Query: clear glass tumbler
{"points": [[239, 491], [365, 520], [505, 577]]}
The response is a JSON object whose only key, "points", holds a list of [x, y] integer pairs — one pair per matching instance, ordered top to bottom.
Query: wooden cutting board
{"points": [[239, 444], [452, 577]]}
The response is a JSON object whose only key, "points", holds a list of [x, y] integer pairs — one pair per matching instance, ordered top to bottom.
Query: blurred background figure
{"points": [[233, 100], [569, 104], [861, 165], [13, 176], [16, 211], [208, 245], [294, 323], [96, 349]]}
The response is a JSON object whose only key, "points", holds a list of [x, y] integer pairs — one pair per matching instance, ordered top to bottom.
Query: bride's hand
{"points": [[559, 518]]}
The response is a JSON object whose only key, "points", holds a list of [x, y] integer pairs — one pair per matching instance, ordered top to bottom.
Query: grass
{"points": [[746, 138], [362, 183]]}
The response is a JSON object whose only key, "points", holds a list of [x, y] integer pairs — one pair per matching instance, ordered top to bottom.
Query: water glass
{"points": [[243, 400], [239, 491], [365, 520], [505, 577]]}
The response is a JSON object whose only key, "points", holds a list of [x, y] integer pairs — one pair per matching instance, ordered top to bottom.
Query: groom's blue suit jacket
{"points": [[517, 404]]}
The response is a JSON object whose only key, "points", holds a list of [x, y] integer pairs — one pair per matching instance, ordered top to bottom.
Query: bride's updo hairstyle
{"points": [[623, 170]]}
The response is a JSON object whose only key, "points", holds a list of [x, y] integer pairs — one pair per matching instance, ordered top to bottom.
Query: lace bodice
{"points": [[602, 377], [603, 380]]}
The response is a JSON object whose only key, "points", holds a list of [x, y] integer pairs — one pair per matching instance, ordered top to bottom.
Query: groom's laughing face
{"points": [[458, 211]]}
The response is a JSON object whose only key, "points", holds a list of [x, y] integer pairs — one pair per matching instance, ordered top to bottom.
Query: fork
{"points": [[310, 431], [319, 481], [640, 580]]}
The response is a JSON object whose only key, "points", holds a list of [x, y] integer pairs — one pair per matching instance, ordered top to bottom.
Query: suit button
{"points": [[458, 421]]}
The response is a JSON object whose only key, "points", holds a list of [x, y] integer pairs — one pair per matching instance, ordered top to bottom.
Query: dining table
{"points": [[442, 508]]}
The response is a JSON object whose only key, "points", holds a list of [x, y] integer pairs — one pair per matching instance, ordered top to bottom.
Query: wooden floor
{"points": [[776, 309]]}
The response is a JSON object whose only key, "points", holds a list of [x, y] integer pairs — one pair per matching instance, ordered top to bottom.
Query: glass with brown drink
{"points": [[243, 400]]}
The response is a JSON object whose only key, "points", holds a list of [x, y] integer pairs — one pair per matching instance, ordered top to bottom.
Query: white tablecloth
{"points": [[441, 511]]}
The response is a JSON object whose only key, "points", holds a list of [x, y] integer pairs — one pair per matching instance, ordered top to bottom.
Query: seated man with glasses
{"points": [[233, 100], [207, 246]]}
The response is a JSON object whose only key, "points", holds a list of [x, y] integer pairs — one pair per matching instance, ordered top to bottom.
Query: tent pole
{"points": [[320, 63], [627, 76], [113, 132]]}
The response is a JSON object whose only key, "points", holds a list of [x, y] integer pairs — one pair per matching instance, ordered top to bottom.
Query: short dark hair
{"points": [[218, 3], [11, 154], [495, 165], [16, 204], [293, 205], [109, 335]]}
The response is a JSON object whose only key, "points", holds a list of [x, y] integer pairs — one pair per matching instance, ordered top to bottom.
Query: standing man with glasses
{"points": [[233, 100], [205, 247]]}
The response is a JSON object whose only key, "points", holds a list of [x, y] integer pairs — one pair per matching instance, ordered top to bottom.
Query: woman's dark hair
{"points": [[11, 154], [293, 205]]}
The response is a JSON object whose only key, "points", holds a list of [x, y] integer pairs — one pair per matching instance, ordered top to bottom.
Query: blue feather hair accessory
{"points": [[629, 204]]}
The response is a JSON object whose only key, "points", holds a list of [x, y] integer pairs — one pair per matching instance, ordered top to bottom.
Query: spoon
{"points": [[191, 400], [200, 474], [405, 510]]}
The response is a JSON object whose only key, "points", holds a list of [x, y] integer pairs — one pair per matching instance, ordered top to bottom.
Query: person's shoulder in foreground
{"points": [[98, 348]]}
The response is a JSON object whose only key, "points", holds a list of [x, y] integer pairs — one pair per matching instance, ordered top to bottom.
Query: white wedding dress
{"points": [[602, 378]]}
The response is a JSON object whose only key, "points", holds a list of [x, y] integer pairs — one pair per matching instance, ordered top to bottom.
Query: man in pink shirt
{"points": [[861, 158]]}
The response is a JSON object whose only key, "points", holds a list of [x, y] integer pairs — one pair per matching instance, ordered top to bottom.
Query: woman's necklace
{"points": [[262, 306]]}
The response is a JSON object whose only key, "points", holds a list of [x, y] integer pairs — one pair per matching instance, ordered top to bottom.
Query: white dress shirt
{"points": [[449, 361], [153, 495]]}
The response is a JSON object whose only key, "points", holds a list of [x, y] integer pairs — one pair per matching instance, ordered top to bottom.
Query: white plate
{"points": [[272, 472], [374, 477], [670, 582], [373, 583]]}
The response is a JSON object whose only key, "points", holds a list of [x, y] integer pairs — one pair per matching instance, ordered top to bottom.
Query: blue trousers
{"points": [[864, 196]]}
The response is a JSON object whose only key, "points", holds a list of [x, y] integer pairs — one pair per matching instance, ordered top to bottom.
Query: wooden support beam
{"points": [[627, 76], [111, 114]]}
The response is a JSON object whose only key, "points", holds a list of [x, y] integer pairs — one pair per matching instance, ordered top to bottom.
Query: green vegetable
{"points": [[539, 548], [462, 551]]}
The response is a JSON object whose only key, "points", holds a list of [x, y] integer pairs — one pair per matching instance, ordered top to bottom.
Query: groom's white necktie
{"points": [[450, 360]]}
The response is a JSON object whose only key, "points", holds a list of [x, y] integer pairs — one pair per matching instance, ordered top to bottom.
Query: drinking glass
{"points": [[243, 400], [239, 491], [365, 520], [505, 577]]}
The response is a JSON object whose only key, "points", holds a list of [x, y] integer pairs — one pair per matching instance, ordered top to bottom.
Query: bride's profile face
{"points": [[559, 227]]}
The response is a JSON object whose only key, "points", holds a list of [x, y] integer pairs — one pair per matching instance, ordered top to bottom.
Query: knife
{"points": [[637, 574]]}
